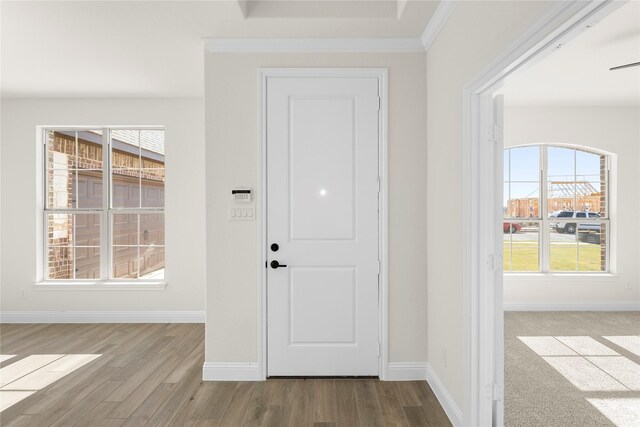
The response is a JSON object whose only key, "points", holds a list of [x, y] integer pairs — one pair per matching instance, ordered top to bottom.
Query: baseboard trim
{"points": [[572, 306], [102, 316], [213, 371], [406, 371], [444, 397]]}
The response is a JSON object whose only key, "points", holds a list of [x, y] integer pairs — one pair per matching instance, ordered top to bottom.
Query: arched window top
{"points": [[578, 147], [573, 177]]}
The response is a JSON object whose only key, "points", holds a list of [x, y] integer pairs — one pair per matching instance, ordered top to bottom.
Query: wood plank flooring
{"points": [[150, 375]]}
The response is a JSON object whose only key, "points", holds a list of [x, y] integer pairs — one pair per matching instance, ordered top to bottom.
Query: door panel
{"points": [[322, 169], [322, 211], [325, 293]]}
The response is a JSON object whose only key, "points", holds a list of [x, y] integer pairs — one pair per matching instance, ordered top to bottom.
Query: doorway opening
{"points": [[483, 191], [565, 194]]}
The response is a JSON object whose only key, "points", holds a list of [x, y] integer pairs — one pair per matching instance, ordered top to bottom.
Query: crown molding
{"points": [[436, 23], [386, 45]]}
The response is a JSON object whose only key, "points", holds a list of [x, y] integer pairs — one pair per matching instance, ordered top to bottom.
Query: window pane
{"points": [[125, 140], [152, 140], [61, 146], [89, 150], [560, 163], [506, 164], [525, 164], [125, 168], [137, 168], [74, 169], [90, 171], [153, 173], [591, 175], [561, 179], [125, 184], [61, 188], [153, 188], [89, 189], [561, 194], [505, 199], [523, 201], [59, 229], [73, 229], [87, 229], [125, 229], [152, 229], [521, 244], [138, 245], [73, 246], [125, 246], [563, 249], [592, 252], [60, 262], [125, 262], [151, 262], [87, 263]]}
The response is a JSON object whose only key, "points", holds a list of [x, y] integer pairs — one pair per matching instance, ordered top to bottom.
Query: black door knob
{"points": [[275, 247], [275, 264]]}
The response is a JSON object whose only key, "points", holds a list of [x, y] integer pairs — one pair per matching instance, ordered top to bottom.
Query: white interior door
{"points": [[322, 212]]}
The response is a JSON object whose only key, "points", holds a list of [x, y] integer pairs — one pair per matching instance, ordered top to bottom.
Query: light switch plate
{"points": [[242, 213]]}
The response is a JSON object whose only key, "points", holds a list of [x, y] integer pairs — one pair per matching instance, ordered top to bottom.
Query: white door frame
{"points": [[381, 74], [482, 201]]}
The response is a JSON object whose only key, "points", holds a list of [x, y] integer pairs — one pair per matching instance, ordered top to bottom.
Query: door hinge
{"points": [[379, 103], [496, 133], [379, 184], [495, 262], [378, 267], [379, 349], [494, 392]]}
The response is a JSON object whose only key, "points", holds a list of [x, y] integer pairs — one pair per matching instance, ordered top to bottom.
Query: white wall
{"points": [[475, 34], [231, 107], [617, 131], [185, 217]]}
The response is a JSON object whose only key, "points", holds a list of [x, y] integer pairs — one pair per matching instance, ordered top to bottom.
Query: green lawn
{"points": [[524, 257]]}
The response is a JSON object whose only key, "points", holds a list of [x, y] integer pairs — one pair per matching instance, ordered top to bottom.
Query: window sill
{"points": [[562, 277], [100, 285]]}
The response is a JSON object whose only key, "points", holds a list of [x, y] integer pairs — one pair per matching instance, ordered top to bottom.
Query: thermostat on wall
{"points": [[241, 195]]}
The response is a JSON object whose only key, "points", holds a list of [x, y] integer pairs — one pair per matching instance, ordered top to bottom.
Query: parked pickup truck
{"points": [[570, 227]]}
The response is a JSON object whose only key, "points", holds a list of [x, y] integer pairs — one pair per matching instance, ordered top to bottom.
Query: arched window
{"points": [[556, 209]]}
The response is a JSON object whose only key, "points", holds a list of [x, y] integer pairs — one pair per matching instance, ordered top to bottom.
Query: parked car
{"points": [[511, 227], [570, 227]]}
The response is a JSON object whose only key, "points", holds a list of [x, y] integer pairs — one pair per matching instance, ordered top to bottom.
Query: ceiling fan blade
{"points": [[619, 67]]}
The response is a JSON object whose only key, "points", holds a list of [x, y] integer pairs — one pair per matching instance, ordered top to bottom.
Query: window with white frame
{"points": [[104, 204], [556, 210]]}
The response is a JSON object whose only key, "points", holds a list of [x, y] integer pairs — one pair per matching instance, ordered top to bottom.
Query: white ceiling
{"points": [[155, 49], [578, 73]]}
